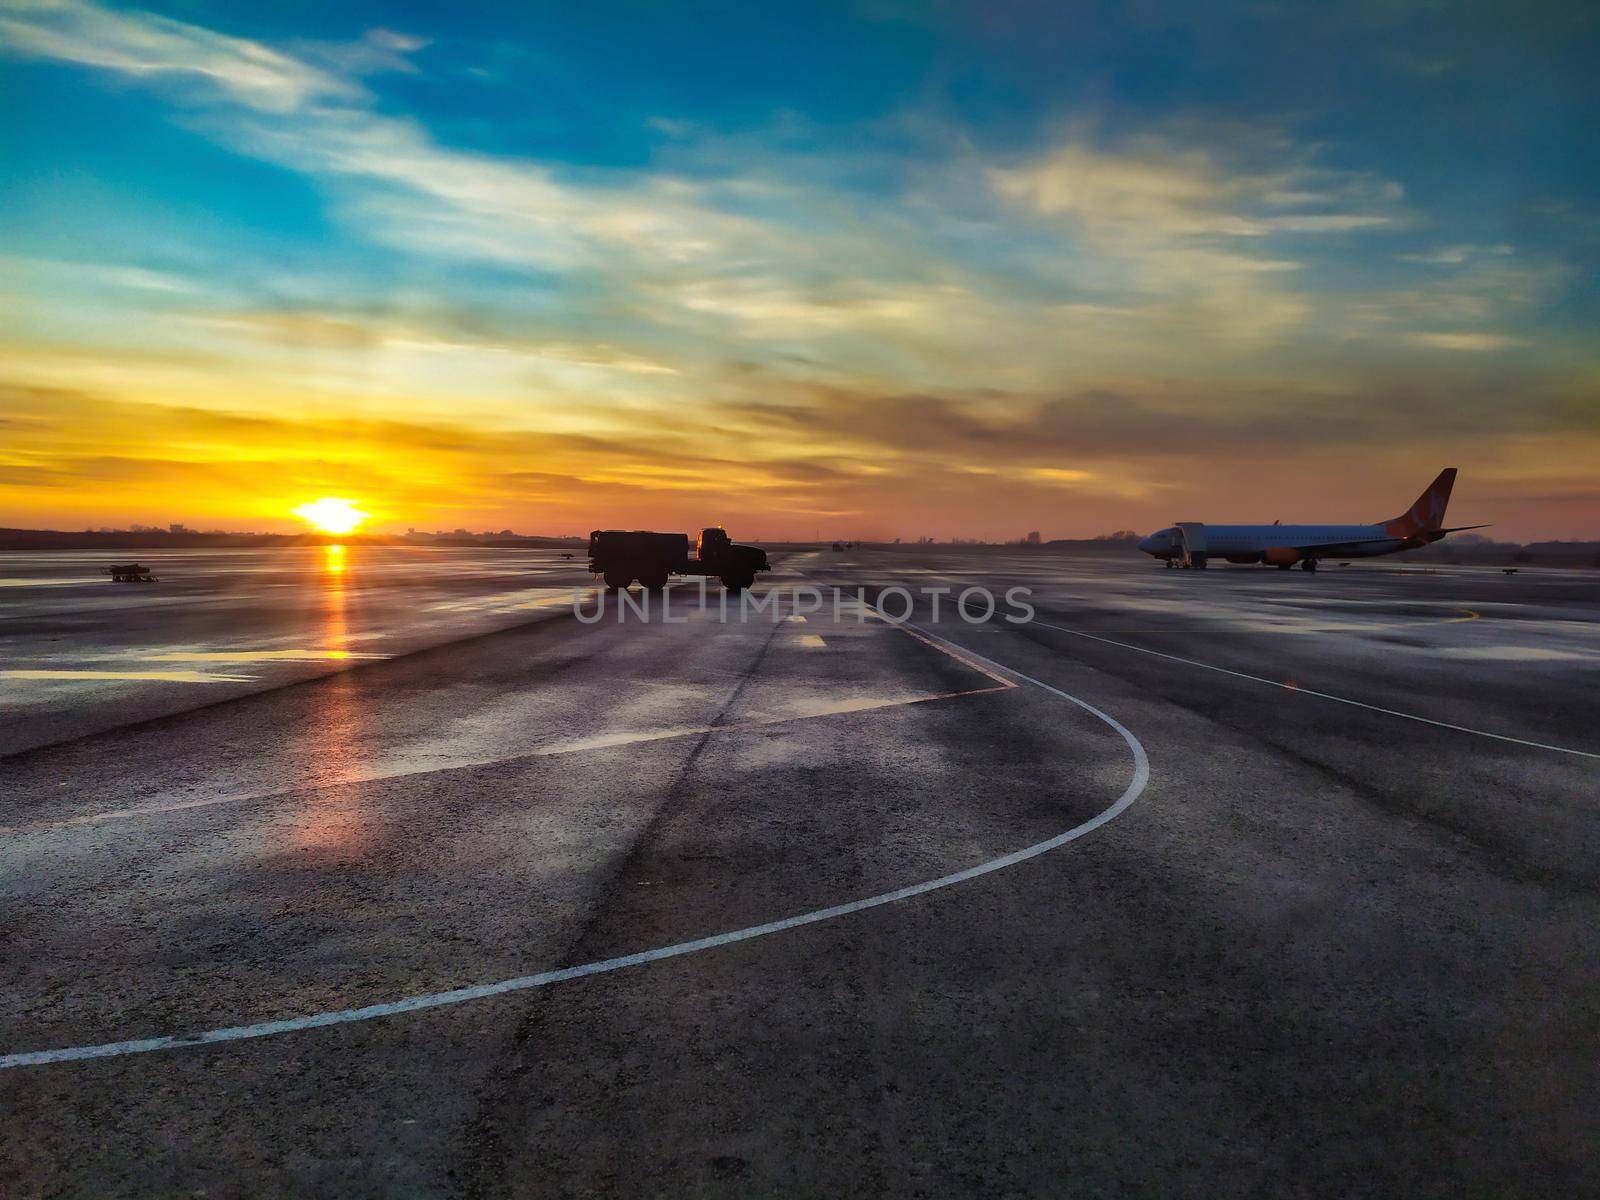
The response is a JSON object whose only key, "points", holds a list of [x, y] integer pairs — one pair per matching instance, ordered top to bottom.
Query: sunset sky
{"points": [[879, 269]]}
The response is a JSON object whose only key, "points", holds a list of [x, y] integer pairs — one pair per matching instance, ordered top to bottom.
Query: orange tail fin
{"points": [[1428, 512]]}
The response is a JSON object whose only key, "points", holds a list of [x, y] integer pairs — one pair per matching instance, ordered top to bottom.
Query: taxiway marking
{"points": [[1304, 691], [410, 1004]]}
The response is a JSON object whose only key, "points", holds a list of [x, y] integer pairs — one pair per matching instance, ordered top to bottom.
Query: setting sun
{"points": [[331, 515]]}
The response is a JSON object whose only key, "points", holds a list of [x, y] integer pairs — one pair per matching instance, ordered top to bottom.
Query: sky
{"points": [[872, 270]]}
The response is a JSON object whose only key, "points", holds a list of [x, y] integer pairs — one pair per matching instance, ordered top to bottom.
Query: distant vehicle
{"points": [[1191, 544], [838, 545], [623, 555], [130, 573]]}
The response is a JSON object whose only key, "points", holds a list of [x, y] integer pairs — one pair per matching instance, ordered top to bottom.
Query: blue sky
{"points": [[884, 268]]}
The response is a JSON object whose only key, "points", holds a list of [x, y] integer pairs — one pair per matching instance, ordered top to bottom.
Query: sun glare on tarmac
{"points": [[332, 515]]}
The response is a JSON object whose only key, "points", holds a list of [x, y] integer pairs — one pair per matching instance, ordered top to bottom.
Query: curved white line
{"points": [[1391, 712], [346, 1016]]}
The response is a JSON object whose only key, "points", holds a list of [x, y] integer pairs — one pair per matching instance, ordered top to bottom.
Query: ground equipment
{"points": [[624, 555]]}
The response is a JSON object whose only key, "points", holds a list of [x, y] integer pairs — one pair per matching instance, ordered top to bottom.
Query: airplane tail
{"points": [[1427, 514]]}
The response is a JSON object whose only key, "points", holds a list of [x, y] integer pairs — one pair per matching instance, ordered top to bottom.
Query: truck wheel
{"points": [[618, 578], [653, 580], [732, 583]]}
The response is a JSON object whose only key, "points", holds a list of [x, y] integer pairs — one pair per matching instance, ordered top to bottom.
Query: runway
{"points": [[380, 873]]}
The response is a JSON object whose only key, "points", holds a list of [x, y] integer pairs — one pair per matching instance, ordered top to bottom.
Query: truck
{"points": [[624, 555], [129, 573]]}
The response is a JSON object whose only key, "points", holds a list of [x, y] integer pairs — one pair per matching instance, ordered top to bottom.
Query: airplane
{"points": [[1192, 543]]}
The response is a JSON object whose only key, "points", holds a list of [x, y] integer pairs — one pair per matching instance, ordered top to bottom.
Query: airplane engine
{"points": [[1281, 556]]}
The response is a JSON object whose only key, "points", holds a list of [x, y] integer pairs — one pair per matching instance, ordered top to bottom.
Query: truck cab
{"points": [[713, 541], [734, 564]]}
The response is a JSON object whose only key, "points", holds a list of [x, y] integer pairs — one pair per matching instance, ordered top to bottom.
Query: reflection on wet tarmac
{"points": [[63, 582], [1513, 653], [98, 654], [304, 655], [155, 676], [334, 820]]}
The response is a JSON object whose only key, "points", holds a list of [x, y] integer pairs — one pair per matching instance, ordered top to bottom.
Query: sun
{"points": [[331, 514]]}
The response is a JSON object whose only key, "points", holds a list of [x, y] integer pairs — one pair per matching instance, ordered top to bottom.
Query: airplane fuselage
{"points": [[1191, 543], [1260, 543]]}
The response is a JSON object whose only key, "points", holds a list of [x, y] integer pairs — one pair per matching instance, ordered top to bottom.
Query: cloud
{"points": [[159, 48], [378, 50], [1171, 186], [1174, 191], [1190, 222], [1325, 223], [743, 249], [1454, 256], [78, 275], [1486, 289], [774, 306], [784, 319], [1475, 342], [124, 458], [994, 460]]}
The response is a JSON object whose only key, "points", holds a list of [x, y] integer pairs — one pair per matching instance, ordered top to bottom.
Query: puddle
{"points": [[63, 582], [520, 598], [1517, 654], [256, 656], [147, 676]]}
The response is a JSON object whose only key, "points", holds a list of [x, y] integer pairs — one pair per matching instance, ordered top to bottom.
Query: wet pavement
{"points": [[79, 653], [1205, 883]]}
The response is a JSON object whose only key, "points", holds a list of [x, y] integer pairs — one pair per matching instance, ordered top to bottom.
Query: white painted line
{"points": [[960, 653], [1499, 737], [346, 1016]]}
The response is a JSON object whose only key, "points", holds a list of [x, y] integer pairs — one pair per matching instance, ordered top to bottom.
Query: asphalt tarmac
{"points": [[382, 874]]}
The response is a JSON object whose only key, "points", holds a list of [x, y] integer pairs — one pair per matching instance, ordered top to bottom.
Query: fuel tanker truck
{"points": [[623, 555]]}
